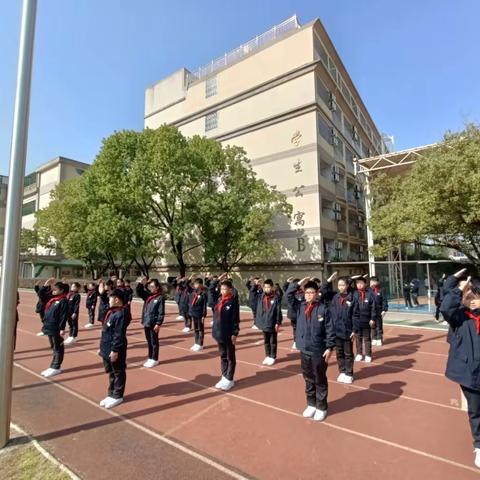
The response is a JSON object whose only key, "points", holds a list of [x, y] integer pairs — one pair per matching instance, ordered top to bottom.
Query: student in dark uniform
{"points": [[254, 288], [104, 290], [415, 291], [43, 294], [128, 294], [212, 295], [407, 295], [439, 297], [91, 303], [381, 307], [461, 309], [291, 310], [341, 310], [73, 311], [198, 311], [153, 314], [364, 316], [268, 319], [55, 320], [16, 323], [225, 330], [316, 341], [113, 348]]}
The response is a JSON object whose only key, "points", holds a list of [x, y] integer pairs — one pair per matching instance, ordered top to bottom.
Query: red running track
{"points": [[399, 420]]}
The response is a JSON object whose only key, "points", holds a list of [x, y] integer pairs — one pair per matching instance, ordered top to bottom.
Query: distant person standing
{"points": [[415, 289], [407, 296], [439, 297]]}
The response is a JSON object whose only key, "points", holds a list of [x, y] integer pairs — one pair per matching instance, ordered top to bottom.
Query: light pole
{"points": [[9, 279]]}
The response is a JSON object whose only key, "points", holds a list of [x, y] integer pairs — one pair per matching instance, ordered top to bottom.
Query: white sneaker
{"points": [[180, 318], [88, 325], [254, 327], [185, 330], [40, 334], [70, 341], [374, 343], [379, 343], [294, 345], [193, 348], [199, 348], [359, 358], [368, 359], [265, 361], [270, 361], [150, 363], [45, 372], [52, 372], [341, 378], [347, 379], [222, 382], [227, 385], [104, 401], [112, 402], [309, 412], [320, 415], [477, 457]]}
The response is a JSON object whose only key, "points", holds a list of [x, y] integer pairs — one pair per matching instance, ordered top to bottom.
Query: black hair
{"points": [[256, 278], [374, 278], [344, 279], [361, 279], [127, 280], [198, 280], [295, 280], [316, 280], [268, 281], [155, 282], [109, 283], [227, 283], [311, 284], [77, 285], [475, 286], [63, 287], [117, 293]]}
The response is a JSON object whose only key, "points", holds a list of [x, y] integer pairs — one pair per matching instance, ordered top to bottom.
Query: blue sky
{"points": [[415, 63]]}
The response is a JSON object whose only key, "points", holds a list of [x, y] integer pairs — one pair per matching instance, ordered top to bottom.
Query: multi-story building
{"points": [[288, 100], [38, 186]]}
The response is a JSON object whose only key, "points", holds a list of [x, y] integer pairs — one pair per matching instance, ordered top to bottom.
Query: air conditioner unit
{"points": [[333, 103], [355, 135], [337, 216], [338, 245]]}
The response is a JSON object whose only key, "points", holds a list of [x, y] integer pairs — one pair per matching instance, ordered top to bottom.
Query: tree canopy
{"points": [[436, 203]]}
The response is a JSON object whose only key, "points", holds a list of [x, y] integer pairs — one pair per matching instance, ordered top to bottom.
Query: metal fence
{"points": [[234, 56]]}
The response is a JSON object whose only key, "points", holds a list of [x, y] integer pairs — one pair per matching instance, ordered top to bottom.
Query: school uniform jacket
{"points": [[185, 290], [253, 292], [43, 294], [128, 295], [91, 300], [73, 303], [197, 303], [381, 303], [104, 305], [291, 310], [341, 310], [364, 310], [153, 312], [269, 312], [56, 314], [226, 319], [315, 329], [114, 331], [463, 364]]}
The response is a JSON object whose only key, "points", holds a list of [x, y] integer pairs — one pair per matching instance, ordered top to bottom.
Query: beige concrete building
{"points": [[287, 99], [38, 186]]}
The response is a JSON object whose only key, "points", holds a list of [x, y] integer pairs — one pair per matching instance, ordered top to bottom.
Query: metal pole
{"points": [[371, 258], [9, 280], [428, 288]]}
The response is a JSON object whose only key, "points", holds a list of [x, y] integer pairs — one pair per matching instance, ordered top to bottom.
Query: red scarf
{"points": [[375, 290], [71, 294], [362, 294], [151, 297], [195, 297], [342, 298], [53, 300], [223, 300], [267, 300], [309, 308], [109, 312], [476, 318]]}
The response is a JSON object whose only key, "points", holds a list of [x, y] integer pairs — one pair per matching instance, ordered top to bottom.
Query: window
{"points": [[320, 52], [333, 69], [210, 87], [322, 91], [211, 121], [324, 130], [80, 171], [30, 180], [28, 208]]}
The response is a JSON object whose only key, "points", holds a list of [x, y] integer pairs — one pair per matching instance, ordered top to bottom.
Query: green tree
{"points": [[436, 202], [237, 213]]}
